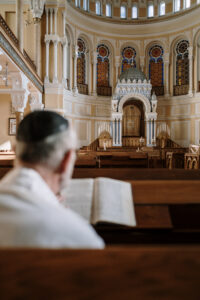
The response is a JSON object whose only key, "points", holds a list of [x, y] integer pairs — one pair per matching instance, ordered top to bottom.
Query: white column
{"points": [[47, 20], [51, 20], [55, 20], [64, 22], [19, 23], [37, 27], [190, 49], [70, 63], [142, 63], [117, 64], [117, 71], [166, 75], [55, 77], [90, 78], [64, 79], [46, 80], [75, 90], [94, 93], [117, 132], [120, 132]]}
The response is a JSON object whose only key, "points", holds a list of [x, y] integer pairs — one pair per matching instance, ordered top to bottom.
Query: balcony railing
{"points": [[8, 31], [11, 35], [29, 60], [82, 88], [159, 90], [181, 90], [104, 91]]}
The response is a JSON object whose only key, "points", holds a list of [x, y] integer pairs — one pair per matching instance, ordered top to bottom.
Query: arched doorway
{"points": [[133, 119]]}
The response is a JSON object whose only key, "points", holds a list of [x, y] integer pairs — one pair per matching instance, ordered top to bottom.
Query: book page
{"points": [[78, 196], [113, 202]]}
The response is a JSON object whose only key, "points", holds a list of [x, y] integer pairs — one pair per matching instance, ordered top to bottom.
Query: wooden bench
{"points": [[138, 174], [166, 211], [139, 272]]}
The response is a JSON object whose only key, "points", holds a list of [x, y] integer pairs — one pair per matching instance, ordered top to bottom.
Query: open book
{"points": [[101, 200]]}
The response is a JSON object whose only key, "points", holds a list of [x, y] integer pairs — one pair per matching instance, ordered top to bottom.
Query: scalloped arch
{"points": [[136, 96]]}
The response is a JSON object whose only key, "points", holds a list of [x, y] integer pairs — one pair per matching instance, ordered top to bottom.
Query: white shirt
{"points": [[31, 216]]}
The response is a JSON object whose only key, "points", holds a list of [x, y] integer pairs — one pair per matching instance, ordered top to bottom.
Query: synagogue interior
{"points": [[126, 74]]}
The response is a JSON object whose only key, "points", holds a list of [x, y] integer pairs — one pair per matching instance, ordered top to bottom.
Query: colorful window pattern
{"points": [[128, 58], [81, 62], [182, 63], [156, 65], [103, 66]]}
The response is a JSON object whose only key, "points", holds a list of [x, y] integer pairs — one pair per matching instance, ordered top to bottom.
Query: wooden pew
{"points": [[6, 162], [138, 174], [166, 211], [139, 272]]}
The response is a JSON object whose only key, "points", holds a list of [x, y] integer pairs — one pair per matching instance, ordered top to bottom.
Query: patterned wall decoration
{"points": [[128, 58], [81, 62], [182, 63], [103, 66], [156, 69]]}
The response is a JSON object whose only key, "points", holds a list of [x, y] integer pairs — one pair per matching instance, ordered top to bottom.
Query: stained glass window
{"points": [[186, 3], [177, 5], [98, 7], [162, 8], [108, 10], [150, 10], [123, 12], [134, 12], [128, 58], [81, 62], [182, 63], [103, 66], [156, 69]]}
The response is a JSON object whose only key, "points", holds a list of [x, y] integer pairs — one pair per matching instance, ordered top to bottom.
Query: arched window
{"points": [[77, 3], [186, 3], [85, 4], [177, 5], [98, 7], [162, 8], [108, 10], [150, 10], [134, 11], [123, 12], [128, 58], [81, 68], [182, 68], [156, 69], [103, 71]]}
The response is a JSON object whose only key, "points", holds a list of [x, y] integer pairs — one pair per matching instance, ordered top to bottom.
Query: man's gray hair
{"points": [[49, 151]]}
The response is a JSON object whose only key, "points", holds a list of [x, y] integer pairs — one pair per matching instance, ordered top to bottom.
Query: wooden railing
{"points": [[12, 36], [29, 60], [82, 88], [104, 90], [159, 90], [181, 90]]}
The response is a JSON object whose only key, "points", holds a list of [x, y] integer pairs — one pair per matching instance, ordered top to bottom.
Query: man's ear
{"points": [[65, 162]]}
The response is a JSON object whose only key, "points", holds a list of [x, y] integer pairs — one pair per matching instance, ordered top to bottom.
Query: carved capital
{"points": [[37, 8], [18, 102], [35, 102]]}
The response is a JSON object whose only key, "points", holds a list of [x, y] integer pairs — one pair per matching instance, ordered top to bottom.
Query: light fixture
{"points": [[4, 73]]}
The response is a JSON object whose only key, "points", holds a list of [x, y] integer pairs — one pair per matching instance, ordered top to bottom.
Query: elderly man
{"points": [[30, 213]]}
